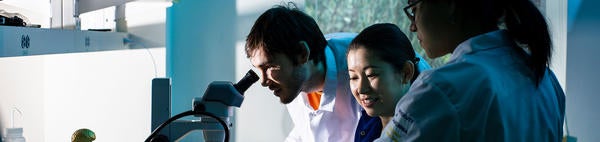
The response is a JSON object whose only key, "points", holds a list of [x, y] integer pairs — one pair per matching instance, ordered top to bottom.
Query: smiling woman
{"points": [[382, 65]]}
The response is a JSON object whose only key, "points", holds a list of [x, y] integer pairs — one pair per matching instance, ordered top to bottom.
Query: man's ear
{"points": [[304, 53], [408, 72]]}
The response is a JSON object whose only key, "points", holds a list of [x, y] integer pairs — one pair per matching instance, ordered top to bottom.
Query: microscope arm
{"points": [[188, 113]]}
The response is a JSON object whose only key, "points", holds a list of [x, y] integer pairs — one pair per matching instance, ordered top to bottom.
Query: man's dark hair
{"points": [[280, 30]]}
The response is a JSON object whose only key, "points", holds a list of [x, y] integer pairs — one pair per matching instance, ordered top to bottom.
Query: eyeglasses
{"points": [[409, 11]]}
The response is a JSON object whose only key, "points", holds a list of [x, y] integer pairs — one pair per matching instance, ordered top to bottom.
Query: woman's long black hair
{"points": [[524, 23]]}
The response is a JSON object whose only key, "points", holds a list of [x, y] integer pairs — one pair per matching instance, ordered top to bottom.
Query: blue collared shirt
{"points": [[368, 129]]}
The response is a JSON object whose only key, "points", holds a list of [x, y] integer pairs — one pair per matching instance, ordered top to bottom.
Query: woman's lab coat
{"points": [[485, 92], [337, 116]]}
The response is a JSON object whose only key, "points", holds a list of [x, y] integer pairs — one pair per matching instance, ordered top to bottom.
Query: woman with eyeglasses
{"points": [[382, 65], [496, 85]]}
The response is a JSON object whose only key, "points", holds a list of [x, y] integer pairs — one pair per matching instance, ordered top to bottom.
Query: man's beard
{"points": [[296, 85]]}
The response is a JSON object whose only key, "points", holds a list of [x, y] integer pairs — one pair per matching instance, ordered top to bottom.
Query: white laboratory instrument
{"points": [[22, 41], [214, 110]]}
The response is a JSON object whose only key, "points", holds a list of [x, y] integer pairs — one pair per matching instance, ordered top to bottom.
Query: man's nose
{"points": [[413, 27], [265, 80]]}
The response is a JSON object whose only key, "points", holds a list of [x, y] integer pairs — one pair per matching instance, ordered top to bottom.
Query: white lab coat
{"points": [[484, 93], [338, 113]]}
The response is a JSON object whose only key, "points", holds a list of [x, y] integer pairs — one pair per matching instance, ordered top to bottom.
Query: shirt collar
{"points": [[493, 39], [330, 87]]}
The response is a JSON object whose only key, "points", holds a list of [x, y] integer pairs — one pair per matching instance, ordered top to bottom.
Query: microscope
{"points": [[213, 110]]}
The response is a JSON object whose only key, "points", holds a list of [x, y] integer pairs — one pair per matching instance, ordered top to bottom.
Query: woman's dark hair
{"points": [[524, 23], [280, 30], [389, 43]]}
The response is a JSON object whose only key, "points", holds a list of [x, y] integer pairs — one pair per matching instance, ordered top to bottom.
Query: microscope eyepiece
{"points": [[247, 81]]}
